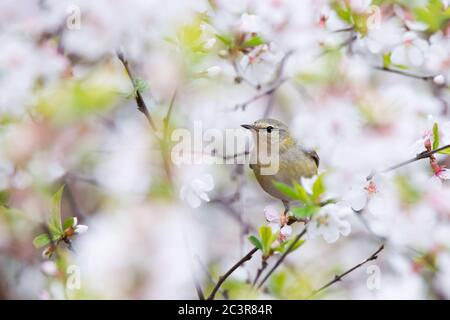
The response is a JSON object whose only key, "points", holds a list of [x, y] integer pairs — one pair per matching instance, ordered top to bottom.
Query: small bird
{"points": [[294, 161]]}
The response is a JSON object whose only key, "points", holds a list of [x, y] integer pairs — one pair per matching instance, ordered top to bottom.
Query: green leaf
{"points": [[343, 11], [434, 15], [225, 39], [253, 42], [386, 60], [140, 85], [435, 136], [445, 151], [318, 188], [285, 189], [301, 193], [305, 212], [68, 223], [55, 225], [267, 238], [41, 240], [255, 241], [297, 245]]}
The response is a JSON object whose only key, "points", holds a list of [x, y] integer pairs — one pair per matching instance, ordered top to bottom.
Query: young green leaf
{"points": [[225, 39], [253, 42], [386, 60], [435, 136], [445, 151], [318, 188], [287, 190], [302, 195], [305, 212], [68, 222], [55, 225], [267, 238], [41, 240], [255, 241], [287, 244]]}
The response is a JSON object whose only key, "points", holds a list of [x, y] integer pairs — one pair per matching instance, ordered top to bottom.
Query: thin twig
{"points": [[403, 73], [266, 92], [142, 107], [420, 156], [227, 204], [283, 256], [260, 271], [225, 276], [210, 278], [338, 278]]}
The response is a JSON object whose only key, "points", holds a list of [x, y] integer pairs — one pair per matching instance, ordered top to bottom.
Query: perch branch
{"points": [[420, 156], [283, 256], [225, 276], [338, 278]]}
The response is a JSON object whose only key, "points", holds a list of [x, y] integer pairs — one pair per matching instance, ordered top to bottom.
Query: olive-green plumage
{"points": [[294, 161]]}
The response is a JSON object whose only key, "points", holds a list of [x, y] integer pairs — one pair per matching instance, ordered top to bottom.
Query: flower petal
{"points": [[399, 56], [193, 200], [271, 214], [81, 229], [286, 230]]}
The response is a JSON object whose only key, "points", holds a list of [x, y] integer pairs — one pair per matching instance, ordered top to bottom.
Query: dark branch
{"points": [[406, 74], [142, 107], [420, 156], [283, 256], [260, 271], [337, 278], [222, 279]]}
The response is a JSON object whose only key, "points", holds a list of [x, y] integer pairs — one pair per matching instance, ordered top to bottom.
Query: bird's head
{"points": [[274, 130]]}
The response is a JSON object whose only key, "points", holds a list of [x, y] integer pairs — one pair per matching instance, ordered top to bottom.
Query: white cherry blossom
{"points": [[411, 51], [195, 191], [330, 223]]}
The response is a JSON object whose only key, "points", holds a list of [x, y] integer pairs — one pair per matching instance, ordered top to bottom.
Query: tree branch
{"points": [[403, 73], [266, 92], [142, 107], [420, 156], [283, 256], [260, 271], [337, 278], [222, 279]]}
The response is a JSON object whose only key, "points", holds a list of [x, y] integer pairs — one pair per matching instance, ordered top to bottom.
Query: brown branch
{"points": [[403, 73], [241, 77], [266, 92], [142, 107], [420, 156], [227, 204], [283, 256], [260, 271], [225, 276], [210, 278], [338, 278]]}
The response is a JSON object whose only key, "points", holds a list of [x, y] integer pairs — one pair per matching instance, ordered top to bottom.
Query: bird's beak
{"points": [[247, 126]]}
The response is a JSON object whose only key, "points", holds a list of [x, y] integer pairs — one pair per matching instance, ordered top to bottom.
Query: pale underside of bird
{"points": [[293, 160]]}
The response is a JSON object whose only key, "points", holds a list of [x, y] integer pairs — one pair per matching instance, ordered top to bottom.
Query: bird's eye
{"points": [[269, 129]]}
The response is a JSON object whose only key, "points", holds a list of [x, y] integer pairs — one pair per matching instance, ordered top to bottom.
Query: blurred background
{"points": [[93, 207]]}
